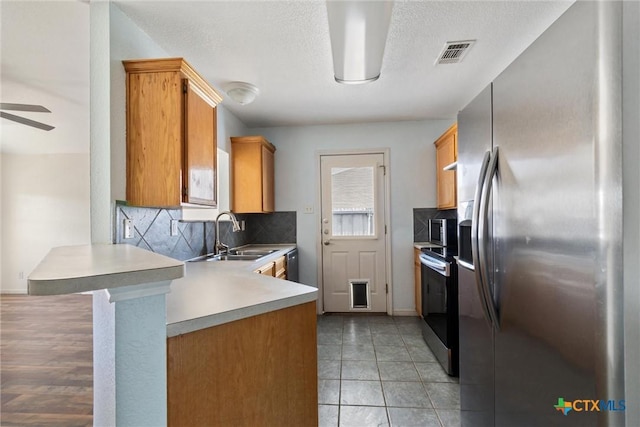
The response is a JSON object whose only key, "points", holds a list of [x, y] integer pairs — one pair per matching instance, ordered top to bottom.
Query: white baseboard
{"points": [[13, 291], [405, 312]]}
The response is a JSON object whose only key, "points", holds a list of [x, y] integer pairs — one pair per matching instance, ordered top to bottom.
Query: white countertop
{"points": [[420, 245], [84, 268], [217, 292], [210, 293]]}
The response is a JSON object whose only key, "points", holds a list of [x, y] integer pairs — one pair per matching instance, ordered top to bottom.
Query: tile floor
{"points": [[378, 371]]}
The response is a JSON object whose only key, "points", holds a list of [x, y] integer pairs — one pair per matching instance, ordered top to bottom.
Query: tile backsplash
{"points": [[421, 217], [278, 227], [152, 231]]}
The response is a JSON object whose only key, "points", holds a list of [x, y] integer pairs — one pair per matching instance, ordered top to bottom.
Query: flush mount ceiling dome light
{"points": [[358, 31], [241, 92]]}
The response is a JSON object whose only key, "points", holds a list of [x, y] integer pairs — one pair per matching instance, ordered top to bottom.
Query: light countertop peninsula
{"points": [[85, 268], [217, 292], [203, 294]]}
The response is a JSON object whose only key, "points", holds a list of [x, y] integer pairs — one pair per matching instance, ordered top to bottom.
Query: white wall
{"points": [[100, 118], [412, 176], [44, 184], [45, 203]]}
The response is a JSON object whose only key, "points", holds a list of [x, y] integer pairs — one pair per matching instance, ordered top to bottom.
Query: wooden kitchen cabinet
{"points": [[171, 134], [446, 154], [252, 169], [277, 268], [280, 268], [268, 269], [417, 275], [256, 371]]}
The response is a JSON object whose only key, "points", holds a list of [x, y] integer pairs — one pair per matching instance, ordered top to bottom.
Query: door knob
{"points": [[326, 243]]}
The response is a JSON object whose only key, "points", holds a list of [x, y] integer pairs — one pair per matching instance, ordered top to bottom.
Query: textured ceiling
{"points": [[284, 49]]}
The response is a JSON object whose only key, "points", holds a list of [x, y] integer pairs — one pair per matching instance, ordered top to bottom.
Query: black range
{"points": [[440, 304]]}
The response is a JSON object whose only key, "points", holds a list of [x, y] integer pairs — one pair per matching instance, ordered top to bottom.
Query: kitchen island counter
{"points": [[86, 268], [216, 292], [202, 294], [223, 333], [241, 346]]}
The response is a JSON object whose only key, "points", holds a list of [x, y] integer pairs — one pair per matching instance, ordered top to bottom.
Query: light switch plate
{"points": [[308, 209], [174, 227]]}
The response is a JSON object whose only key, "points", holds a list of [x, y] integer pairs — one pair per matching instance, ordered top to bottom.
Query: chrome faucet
{"points": [[236, 227]]}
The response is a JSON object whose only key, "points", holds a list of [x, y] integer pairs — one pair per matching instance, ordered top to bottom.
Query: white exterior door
{"points": [[353, 232]]}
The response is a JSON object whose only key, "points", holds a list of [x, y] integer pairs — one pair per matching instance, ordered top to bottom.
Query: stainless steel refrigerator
{"points": [[540, 217]]}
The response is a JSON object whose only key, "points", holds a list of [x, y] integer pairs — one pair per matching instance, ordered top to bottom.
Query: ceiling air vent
{"points": [[453, 52]]}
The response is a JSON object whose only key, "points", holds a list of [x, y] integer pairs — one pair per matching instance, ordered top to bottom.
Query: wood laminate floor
{"points": [[46, 360]]}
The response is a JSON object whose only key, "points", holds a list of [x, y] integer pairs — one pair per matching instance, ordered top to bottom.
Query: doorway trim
{"points": [[387, 214]]}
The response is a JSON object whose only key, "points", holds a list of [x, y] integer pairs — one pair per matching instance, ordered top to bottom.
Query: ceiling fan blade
{"points": [[24, 107], [25, 121]]}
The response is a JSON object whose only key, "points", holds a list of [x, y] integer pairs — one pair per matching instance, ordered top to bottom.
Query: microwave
{"points": [[443, 231]]}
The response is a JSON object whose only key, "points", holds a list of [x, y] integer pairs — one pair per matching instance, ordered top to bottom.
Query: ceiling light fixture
{"points": [[358, 31], [241, 92]]}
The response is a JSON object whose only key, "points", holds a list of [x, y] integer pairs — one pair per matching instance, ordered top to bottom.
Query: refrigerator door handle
{"points": [[483, 218], [474, 234]]}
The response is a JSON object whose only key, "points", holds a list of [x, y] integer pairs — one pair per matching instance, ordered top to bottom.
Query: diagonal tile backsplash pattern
{"points": [[152, 231]]}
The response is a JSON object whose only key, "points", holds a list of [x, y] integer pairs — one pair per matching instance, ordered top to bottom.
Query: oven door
{"points": [[435, 274], [439, 310]]}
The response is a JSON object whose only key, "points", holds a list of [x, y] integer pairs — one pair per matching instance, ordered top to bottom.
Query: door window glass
{"points": [[352, 201]]}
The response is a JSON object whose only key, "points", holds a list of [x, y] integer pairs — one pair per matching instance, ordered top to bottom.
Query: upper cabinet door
{"points": [[154, 138], [200, 149], [446, 154], [252, 169], [268, 192]]}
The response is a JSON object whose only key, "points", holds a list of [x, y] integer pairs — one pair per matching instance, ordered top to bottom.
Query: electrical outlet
{"points": [[308, 209], [242, 225], [174, 227], [128, 229], [20, 275]]}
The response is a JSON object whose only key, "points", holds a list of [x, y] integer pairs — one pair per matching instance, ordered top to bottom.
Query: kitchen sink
{"points": [[252, 252], [248, 254], [235, 257]]}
